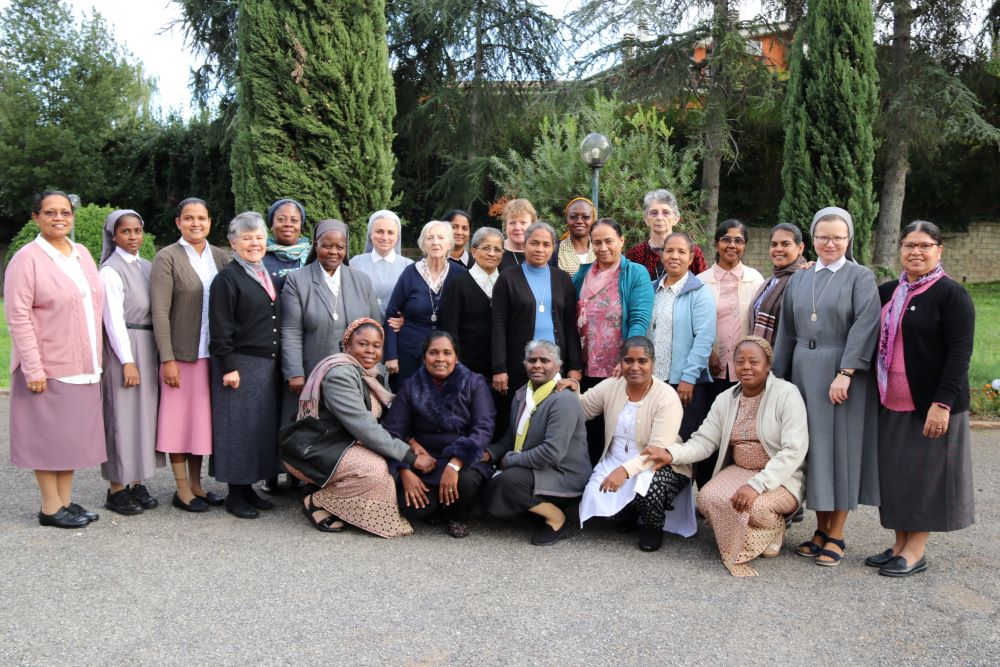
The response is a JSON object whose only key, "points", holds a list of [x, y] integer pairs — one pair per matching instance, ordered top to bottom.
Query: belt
{"points": [[144, 327], [813, 344]]}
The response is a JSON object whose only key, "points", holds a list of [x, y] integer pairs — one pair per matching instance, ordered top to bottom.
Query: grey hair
{"points": [[662, 196], [248, 221], [535, 226], [427, 229], [483, 232], [640, 342], [546, 345]]}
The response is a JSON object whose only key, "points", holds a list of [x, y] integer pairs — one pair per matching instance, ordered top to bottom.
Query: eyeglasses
{"points": [[65, 213], [733, 240], [823, 240], [922, 247], [490, 249]]}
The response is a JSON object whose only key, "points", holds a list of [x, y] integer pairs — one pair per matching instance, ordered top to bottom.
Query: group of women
{"points": [[524, 372]]}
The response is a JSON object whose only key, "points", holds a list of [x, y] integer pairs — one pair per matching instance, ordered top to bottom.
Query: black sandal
{"points": [[322, 525], [811, 548]]}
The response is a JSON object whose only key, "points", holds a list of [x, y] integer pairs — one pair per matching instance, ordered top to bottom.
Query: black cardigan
{"points": [[514, 311], [466, 314], [242, 319], [938, 328]]}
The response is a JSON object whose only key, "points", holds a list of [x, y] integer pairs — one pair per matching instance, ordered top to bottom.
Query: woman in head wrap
{"points": [[573, 248], [287, 249], [786, 255], [382, 261], [178, 295], [53, 302], [318, 303], [244, 314], [826, 340], [129, 380], [345, 395], [759, 429]]}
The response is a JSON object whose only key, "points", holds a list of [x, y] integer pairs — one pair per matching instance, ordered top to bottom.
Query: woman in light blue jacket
{"points": [[683, 331]]}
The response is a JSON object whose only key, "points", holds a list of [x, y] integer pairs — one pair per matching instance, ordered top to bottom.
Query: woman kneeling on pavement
{"points": [[640, 411], [759, 429], [543, 456], [346, 460]]}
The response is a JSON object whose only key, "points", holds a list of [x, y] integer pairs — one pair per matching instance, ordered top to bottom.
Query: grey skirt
{"points": [[245, 422], [926, 483]]}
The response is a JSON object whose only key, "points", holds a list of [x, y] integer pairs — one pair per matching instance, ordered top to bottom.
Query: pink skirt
{"points": [[184, 425], [61, 428]]}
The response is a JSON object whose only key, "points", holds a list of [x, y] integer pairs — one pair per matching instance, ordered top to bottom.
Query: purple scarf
{"points": [[890, 323]]}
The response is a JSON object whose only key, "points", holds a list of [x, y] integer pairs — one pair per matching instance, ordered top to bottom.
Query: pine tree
{"points": [[316, 107], [829, 114]]}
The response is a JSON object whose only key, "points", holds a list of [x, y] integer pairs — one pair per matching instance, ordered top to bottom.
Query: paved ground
{"points": [[170, 588]]}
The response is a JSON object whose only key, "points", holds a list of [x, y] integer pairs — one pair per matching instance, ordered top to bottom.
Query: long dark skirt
{"points": [[245, 422], [926, 483]]}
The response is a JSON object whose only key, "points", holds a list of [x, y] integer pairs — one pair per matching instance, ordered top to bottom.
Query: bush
{"points": [[89, 226], [984, 402]]}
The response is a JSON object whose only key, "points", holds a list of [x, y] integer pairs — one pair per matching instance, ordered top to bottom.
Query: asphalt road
{"points": [[171, 588]]}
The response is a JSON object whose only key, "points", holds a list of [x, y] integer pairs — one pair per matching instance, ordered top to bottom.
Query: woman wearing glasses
{"points": [[826, 339]]}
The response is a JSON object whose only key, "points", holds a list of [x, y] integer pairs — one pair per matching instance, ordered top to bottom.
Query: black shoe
{"points": [[294, 483], [270, 486], [141, 495], [212, 498], [256, 501], [122, 502], [196, 504], [239, 507], [91, 517], [797, 517], [64, 518], [628, 524], [545, 535], [651, 539], [878, 560], [897, 567]]}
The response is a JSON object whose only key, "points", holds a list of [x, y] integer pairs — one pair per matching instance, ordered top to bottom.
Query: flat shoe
{"points": [[270, 486], [141, 495], [212, 498], [256, 501], [123, 503], [196, 504], [241, 510], [91, 517], [64, 518], [458, 529], [545, 535], [651, 539], [878, 560], [897, 567]]}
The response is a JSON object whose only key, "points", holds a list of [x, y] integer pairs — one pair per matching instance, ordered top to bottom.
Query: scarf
{"points": [[297, 252], [568, 260], [258, 273], [425, 273], [595, 282], [767, 305], [890, 323], [309, 398], [532, 399]]}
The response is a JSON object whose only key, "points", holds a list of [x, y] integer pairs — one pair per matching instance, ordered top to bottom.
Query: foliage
{"points": [[210, 28], [65, 88], [315, 108], [829, 112], [643, 158], [89, 228], [985, 364], [984, 401]]}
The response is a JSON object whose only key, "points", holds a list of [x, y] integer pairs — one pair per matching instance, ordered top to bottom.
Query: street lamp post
{"points": [[595, 151], [74, 200]]}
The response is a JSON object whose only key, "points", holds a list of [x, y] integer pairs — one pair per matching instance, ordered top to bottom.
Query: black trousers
{"points": [[595, 426], [703, 469], [470, 482]]}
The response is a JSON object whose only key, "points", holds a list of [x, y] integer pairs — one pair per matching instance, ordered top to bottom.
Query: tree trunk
{"points": [[477, 86], [715, 119], [897, 163]]}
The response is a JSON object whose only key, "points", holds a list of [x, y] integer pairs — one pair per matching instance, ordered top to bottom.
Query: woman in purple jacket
{"points": [[444, 410]]}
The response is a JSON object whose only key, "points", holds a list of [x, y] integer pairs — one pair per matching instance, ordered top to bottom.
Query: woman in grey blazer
{"points": [[317, 303]]}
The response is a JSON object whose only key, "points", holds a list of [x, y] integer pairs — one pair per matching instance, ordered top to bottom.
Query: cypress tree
{"points": [[315, 107], [828, 113]]}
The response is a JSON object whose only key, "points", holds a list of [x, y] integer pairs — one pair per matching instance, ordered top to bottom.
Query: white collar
{"points": [[54, 252], [127, 256], [388, 257], [833, 267], [478, 272], [334, 280], [676, 287]]}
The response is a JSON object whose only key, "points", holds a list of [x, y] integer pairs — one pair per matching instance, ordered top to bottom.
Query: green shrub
{"points": [[89, 226], [984, 402]]}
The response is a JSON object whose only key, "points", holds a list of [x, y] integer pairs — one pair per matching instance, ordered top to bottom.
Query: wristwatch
{"points": [[845, 372], [455, 466]]}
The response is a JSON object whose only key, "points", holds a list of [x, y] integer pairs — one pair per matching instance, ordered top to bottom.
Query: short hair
{"points": [[660, 196], [36, 201], [188, 202], [519, 207], [454, 213], [248, 221], [610, 222], [726, 225], [535, 226], [924, 226], [427, 230], [794, 230], [483, 233], [681, 235], [435, 335], [637, 341], [546, 345]]}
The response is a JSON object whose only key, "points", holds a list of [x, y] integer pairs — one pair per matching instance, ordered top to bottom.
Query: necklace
{"points": [[336, 300], [815, 301], [435, 304]]}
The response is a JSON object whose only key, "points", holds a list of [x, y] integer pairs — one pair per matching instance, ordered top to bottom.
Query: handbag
{"points": [[314, 447]]}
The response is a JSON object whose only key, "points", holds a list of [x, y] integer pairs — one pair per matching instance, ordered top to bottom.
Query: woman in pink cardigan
{"points": [[54, 301]]}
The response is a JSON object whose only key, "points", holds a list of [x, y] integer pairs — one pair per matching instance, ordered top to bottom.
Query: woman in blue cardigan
{"points": [[417, 298], [615, 302], [683, 331]]}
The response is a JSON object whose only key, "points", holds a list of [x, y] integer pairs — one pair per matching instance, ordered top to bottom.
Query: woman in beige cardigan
{"points": [[639, 411], [759, 429]]}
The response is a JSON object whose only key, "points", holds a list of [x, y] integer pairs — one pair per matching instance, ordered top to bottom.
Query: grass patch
{"points": [[4, 352], [985, 365]]}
